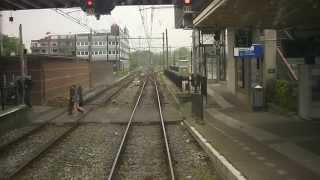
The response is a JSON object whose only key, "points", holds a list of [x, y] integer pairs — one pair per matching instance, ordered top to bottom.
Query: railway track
{"points": [[150, 80], [89, 149], [17, 155]]}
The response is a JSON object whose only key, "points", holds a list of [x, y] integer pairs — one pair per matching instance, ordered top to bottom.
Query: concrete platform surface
{"points": [[260, 145]]}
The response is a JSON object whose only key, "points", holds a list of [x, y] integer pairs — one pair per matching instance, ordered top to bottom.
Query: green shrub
{"points": [[283, 93]]}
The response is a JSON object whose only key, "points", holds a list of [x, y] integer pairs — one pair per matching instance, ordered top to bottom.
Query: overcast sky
{"points": [[36, 23]]}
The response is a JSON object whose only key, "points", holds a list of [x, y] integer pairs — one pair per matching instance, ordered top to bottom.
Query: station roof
{"points": [[37, 4], [44, 4], [275, 14]]}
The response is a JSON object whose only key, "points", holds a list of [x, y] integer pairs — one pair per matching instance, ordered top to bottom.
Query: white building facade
{"points": [[112, 47]]}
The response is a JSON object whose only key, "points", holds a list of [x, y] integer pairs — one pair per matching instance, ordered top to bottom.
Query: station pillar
{"points": [[270, 57], [231, 62]]}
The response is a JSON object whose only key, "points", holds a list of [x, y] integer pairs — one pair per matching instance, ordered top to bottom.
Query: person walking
{"points": [[76, 98]]}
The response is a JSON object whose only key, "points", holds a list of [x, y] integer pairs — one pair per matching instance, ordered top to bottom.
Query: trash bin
{"points": [[257, 97]]}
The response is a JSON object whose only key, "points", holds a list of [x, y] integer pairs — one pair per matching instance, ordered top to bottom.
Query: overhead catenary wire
{"points": [[75, 20]]}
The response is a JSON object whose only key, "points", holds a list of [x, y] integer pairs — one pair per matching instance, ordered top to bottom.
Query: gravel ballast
{"points": [[17, 153], [86, 154], [144, 155], [190, 161]]}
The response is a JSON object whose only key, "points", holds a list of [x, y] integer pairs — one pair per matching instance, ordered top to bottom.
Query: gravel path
{"points": [[118, 110], [14, 134], [15, 154], [86, 154], [144, 157], [190, 161]]}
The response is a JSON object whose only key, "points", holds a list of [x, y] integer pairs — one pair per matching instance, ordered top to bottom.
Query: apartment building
{"points": [[55, 45], [112, 47]]}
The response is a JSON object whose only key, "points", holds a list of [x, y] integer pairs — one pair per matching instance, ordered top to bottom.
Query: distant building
{"points": [[55, 45], [112, 47]]}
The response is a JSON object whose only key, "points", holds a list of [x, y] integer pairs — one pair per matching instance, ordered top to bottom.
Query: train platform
{"points": [[255, 145]]}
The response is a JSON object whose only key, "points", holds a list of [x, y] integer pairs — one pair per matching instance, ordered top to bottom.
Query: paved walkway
{"points": [[261, 145]]}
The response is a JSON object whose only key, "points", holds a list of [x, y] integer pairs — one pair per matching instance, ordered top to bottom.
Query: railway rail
{"points": [[104, 145], [115, 165], [10, 173]]}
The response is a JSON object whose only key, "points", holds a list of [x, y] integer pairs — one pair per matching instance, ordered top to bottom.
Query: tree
{"points": [[10, 45], [182, 53]]}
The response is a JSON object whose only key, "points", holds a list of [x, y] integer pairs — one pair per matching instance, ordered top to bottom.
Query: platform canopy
{"points": [[37, 4], [44, 4], [275, 14]]}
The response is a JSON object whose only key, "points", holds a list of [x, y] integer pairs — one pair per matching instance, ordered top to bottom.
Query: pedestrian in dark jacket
{"points": [[76, 99]]}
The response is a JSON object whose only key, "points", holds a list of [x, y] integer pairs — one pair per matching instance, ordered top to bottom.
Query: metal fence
{"points": [[13, 90]]}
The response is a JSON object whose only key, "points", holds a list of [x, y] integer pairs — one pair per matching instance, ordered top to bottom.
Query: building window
{"points": [[78, 43], [86, 43], [96, 43], [100, 43], [117, 43], [54, 44], [55, 50], [43, 51], [100, 52], [109, 52], [113, 52], [78, 53], [82, 53], [86, 53], [95, 53]]}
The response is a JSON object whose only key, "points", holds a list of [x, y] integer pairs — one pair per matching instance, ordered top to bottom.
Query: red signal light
{"points": [[187, 2], [89, 3]]}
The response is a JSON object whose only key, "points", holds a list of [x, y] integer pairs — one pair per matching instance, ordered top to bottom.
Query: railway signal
{"points": [[187, 2], [89, 4]]}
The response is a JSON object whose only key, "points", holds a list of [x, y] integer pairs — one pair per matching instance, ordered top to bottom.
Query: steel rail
{"points": [[42, 125], [164, 133], [124, 137], [58, 138]]}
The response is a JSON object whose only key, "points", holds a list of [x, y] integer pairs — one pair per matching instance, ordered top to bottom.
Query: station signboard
{"points": [[255, 51]]}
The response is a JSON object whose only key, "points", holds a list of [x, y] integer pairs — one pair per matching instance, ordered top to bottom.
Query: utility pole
{"points": [[1, 36], [90, 46], [107, 47], [167, 48], [117, 51], [174, 57], [163, 58], [90, 59], [150, 61], [191, 61], [22, 62]]}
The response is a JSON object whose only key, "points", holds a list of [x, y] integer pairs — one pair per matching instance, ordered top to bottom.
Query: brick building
{"points": [[55, 45]]}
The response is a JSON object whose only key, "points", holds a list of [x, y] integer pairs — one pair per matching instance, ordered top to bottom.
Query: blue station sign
{"points": [[253, 52]]}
